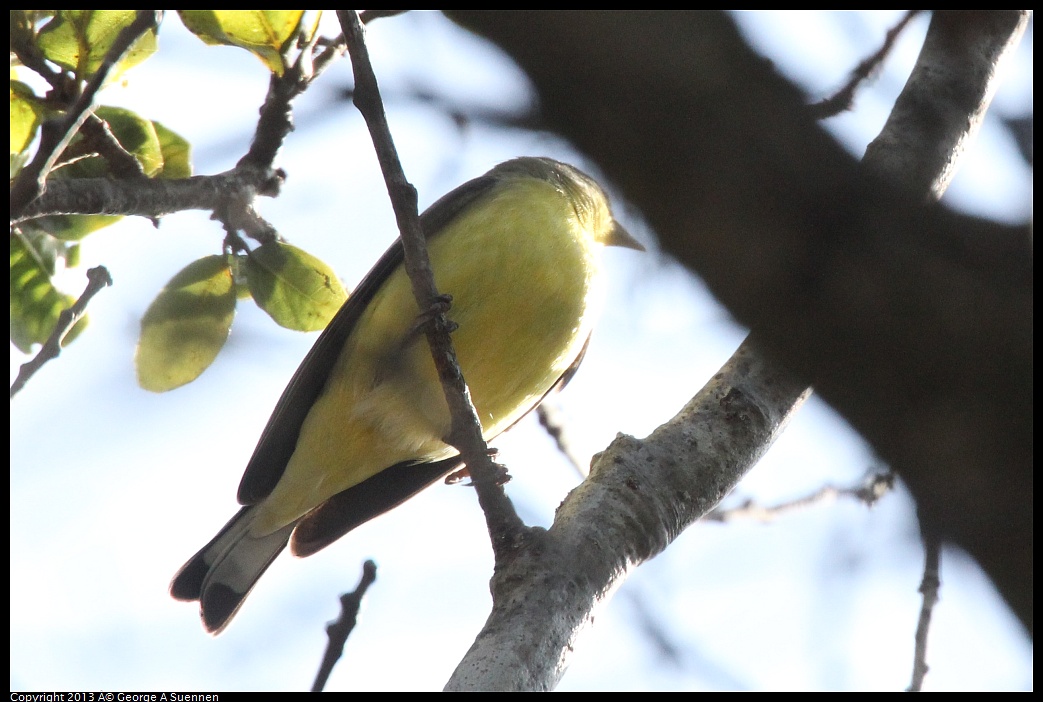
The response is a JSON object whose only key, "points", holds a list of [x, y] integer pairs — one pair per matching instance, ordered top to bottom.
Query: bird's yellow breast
{"points": [[521, 269]]}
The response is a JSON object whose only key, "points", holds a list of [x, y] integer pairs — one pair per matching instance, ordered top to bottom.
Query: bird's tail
{"points": [[224, 571]]}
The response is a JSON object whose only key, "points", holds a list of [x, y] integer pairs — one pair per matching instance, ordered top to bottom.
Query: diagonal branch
{"points": [[945, 99], [97, 278], [913, 321], [466, 432], [625, 513]]}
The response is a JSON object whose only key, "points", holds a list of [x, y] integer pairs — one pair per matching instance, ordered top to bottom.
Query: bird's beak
{"points": [[621, 237]]}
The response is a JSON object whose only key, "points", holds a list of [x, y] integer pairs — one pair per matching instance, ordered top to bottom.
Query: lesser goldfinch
{"points": [[360, 427]]}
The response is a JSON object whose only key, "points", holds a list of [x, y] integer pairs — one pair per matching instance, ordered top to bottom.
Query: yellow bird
{"points": [[360, 427]]}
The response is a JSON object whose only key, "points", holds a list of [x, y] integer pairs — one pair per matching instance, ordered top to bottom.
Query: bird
{"points": [[361, 427]]}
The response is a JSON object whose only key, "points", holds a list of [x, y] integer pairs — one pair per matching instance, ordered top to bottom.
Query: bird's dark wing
{"points": [[568, 374], [279, 439], [360, 503]]}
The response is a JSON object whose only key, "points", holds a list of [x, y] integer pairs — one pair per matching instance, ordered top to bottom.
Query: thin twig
{"points": [[367, 16], [29, 55], [844, 98], [276, 120], [98, 136], [238, 214], [97, 278], [550, 416], [466, 431], [871, 490], [929, 587], [340, 630]]}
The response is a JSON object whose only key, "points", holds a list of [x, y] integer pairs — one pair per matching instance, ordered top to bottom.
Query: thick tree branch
{"points": [[945, 99], [152, 197], [914, 322], [641, 494]]}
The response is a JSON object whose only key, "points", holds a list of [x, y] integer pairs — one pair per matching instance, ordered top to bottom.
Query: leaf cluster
{"points": [[69, 52]]}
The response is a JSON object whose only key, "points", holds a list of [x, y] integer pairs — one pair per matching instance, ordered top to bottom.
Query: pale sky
{"points": [[114, 487]]}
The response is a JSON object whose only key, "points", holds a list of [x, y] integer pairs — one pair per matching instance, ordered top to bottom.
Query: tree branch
{"points": [[844, 98], [945, 99], [152, 197], [97, 278], [913, 321], [466, 433], [871, 490], [625, 513], [929, 587], [339, 631]]}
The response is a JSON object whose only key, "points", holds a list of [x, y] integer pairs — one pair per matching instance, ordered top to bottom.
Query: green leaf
{"points": [[265, 33], [80, 39], [26, 115], [135, 134], [176, 153], [74, 227], [72, 256], [298, 290], [35, 302], [186, 325]]}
